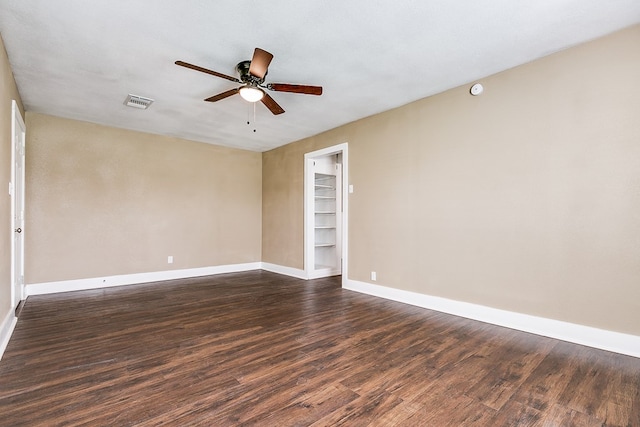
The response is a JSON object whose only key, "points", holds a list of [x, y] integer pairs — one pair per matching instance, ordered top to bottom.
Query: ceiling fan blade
{"points": [[260, 63], [205, 70], [285, 87], [223, 95], [272, 105]]}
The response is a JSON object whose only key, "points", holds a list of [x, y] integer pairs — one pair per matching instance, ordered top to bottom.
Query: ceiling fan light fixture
{"points": [[251, 93]]}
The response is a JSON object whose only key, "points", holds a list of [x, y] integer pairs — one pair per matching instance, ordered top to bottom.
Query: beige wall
{"points": [[8, 92], [526, 198], [103, 201]]}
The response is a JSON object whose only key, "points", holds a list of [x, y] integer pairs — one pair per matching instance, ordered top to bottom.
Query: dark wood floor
{"points": [[267, 350]]}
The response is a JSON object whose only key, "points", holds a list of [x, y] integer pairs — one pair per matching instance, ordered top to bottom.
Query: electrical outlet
{"points": [[170, 259], [374, 276]]}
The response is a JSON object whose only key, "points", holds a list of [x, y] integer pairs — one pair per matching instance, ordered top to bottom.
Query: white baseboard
{"points": [[287, 271], [157, 276], [131, 279], [6, 329], [585, 335]]}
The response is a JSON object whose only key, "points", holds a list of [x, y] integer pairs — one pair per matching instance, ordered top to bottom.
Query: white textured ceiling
{"points": [[80, 58]]}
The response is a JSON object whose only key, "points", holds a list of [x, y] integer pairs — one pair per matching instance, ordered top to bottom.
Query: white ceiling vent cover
{"points": [[136, 101]]}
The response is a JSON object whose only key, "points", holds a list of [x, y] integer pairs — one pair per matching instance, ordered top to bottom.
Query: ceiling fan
{"points": [[252, 74]]}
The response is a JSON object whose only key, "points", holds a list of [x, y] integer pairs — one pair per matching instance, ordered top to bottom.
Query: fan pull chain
{"points": [[254, 116]]}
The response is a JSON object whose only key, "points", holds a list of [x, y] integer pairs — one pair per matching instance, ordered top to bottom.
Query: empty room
{"points": [[320, 213]]}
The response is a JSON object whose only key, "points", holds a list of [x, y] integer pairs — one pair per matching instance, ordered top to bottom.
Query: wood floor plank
{"points": [[262, 349], [551, 377], [499, 384], [309, 407], [440, 407], [362, 411], [401, 414], [516, 414], [565, 417]]}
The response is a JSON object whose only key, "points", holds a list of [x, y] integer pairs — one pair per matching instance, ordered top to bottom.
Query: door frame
{"points": [[342, 149], [17, 277]]}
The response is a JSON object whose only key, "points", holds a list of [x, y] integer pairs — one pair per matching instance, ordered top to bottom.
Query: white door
{"points": [[16, 189]]}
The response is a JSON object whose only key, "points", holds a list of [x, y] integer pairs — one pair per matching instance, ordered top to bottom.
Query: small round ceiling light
{"points": [[476, 89], [251, 93]]}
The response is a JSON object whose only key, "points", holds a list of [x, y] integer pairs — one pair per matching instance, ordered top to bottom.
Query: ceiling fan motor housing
{"points": [[243, 70]]}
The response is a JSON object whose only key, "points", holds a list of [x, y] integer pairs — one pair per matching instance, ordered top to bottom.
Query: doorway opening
{"points": [[325, 212]]}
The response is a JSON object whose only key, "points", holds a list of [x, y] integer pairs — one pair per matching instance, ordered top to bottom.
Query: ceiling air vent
{"points": [[136, 101]]}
